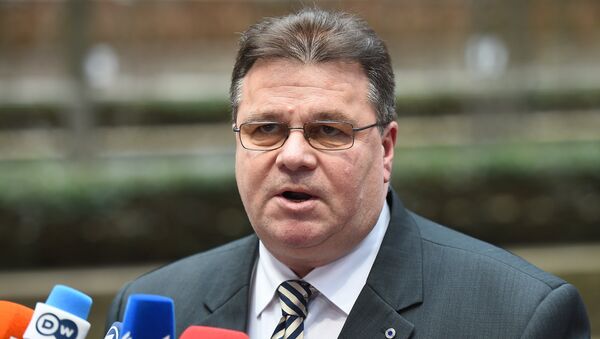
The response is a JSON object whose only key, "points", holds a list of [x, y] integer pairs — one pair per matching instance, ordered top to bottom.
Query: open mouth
{"points": [[296, 196]]}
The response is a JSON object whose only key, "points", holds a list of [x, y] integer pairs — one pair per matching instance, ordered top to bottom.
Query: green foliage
{"points": [[490, 159], [108, 180], [70, 183], [60, 213]]}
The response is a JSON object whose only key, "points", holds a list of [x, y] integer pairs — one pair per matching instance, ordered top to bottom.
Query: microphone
{"points": [[63, 316], [149, 316], [13, 319], [114, 332], [205, 332]]}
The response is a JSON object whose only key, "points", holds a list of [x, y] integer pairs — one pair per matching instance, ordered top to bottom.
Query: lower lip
{"points": [[296, 205]]}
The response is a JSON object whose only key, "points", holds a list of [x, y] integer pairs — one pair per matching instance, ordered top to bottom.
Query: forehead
{"points": [[282, 86]]}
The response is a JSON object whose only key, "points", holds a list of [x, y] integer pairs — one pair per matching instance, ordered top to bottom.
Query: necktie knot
{"points": [[294, 296]]}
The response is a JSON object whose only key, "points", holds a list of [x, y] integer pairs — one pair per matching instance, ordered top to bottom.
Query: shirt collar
{"points": [[354, 267]]}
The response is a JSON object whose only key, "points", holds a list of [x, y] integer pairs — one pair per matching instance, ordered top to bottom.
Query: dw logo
{"points": [[50, 325]]}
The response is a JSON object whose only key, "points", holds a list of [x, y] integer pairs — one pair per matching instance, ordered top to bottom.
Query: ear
{"points": [[388, 142]]}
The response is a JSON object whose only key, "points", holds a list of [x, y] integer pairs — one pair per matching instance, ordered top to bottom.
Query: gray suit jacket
{"points": [[427, 282]]}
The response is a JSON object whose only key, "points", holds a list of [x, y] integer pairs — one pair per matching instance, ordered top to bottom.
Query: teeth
{"points": [[296, 196]]}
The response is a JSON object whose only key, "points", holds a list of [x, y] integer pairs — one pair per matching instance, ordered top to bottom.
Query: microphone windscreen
{"points": [[70, 300], [63, 316], [149, 316], [14, 319], [114, 332], [205, 332]]}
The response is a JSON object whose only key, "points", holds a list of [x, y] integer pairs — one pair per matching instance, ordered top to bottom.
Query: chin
{"points": [[298, 237], [297, 240]]}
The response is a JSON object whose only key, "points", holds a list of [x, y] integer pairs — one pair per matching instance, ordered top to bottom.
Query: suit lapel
{"points": [[394, 283], [228, 301], [233, 314], [371, 317]]}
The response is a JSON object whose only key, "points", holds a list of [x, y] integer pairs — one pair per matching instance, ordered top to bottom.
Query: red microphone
{"points": [[14, 319], [204, 332]]}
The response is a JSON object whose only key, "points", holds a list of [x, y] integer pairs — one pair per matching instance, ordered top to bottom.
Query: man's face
{"points": [[310, 207]]}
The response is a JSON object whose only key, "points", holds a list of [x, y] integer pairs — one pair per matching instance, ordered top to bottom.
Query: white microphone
{"points": [[63, 316], [114, 332]]}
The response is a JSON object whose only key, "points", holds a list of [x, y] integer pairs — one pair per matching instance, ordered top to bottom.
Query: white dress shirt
{"points": [[339, 283]]}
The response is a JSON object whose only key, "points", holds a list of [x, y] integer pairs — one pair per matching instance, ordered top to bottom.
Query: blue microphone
{"points": [[63, 316], [149, 316], [115, 330]]}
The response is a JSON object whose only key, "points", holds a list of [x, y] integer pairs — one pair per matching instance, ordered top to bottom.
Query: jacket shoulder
{"points": [[459, 246], [204, 264], [465, 278], [195, 280]]}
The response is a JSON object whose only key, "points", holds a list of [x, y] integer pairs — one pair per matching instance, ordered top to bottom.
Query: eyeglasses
{"points": [[321, 135]]}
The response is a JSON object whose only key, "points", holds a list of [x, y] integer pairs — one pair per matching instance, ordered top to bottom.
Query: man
{"points": [[339, 256]]}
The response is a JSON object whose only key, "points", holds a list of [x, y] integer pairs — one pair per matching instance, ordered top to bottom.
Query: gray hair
{"points": [[314, 35]]}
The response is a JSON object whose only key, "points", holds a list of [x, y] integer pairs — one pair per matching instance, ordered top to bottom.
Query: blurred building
{"points": [[115, 142]]}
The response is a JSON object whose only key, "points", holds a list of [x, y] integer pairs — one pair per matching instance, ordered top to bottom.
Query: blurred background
{"points": [[116, 150]]}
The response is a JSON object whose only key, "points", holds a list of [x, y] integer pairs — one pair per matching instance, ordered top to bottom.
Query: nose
{"points": [[296, 154]]}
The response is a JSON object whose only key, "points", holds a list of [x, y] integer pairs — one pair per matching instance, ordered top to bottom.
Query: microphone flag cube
{"points": [[63, 316]]}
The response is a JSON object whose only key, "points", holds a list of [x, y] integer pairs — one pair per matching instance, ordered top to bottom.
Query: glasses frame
{"points": [[237, 130]]}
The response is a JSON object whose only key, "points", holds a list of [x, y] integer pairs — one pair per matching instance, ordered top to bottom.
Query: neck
{"points": [[301, 272]]}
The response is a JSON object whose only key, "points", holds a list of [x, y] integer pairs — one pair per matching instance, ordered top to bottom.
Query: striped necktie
{"points": [[293, 297]]}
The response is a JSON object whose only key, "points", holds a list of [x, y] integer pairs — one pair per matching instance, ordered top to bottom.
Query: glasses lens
{"points": [[329, 134], [263, 135]]}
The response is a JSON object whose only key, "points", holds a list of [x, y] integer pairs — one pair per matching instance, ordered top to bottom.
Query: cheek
{"points": [[252, 170], [348, 172], [245, 175], [361, 176], [351, 182]]}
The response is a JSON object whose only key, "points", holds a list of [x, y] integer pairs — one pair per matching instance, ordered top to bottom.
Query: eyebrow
{"points": [[332, 115], [266, 116], [277, 116]]}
